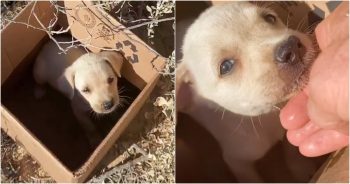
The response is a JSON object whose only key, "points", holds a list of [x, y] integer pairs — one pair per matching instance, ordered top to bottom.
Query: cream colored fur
{"points": [[237, 31], [72, 72]]}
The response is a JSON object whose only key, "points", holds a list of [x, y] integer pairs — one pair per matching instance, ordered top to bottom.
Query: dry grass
{"points": [[9, 9]]}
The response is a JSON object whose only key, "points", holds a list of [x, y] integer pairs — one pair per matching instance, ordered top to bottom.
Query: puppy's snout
{"points": [[290, 51], [108, 104]]}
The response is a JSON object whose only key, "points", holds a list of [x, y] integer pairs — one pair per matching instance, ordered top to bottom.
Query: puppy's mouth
{"points": [[106, 107], [109, 111]]}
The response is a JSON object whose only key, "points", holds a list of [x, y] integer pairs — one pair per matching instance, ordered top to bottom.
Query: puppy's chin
{"points": [[256, 111], [105, 112]]}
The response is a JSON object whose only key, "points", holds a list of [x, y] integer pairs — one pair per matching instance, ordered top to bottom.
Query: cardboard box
{"points": [[299, 15], [20, 44]]}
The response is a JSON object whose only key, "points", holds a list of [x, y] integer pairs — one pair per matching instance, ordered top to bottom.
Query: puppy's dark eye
{"points": [[270, 18], [226, 66], [110, 80], [86, 90]]}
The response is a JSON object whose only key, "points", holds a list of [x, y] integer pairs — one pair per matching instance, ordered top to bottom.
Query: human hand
{"points": [[317, 119]]}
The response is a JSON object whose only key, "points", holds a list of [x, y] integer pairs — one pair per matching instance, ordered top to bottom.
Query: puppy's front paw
{"points": [[39, 92]]}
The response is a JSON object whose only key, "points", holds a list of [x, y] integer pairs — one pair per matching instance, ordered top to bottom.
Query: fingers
{"points": [[336, 25], [329, 86], [294, 114], [298, 136], [323, 142]]}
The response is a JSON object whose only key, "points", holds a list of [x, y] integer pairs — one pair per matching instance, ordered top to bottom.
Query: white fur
{"points": [[237, 31], [72, 72]]}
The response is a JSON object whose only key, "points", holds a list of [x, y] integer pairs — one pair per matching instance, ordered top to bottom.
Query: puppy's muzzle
{"points": [[290, 51], [107, 105]]}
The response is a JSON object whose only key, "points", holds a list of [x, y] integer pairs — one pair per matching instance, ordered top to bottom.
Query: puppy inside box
{"points": [[51, 119], [241, 141]]}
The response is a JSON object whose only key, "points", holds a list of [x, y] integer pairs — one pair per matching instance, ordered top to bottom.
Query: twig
{"points": [[150, 22]]}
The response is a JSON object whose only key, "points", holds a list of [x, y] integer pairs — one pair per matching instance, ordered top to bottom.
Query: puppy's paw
{"points": [[39, 92]]}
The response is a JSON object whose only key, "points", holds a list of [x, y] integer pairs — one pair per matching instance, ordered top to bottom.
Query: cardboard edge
{"points": [[335, 169]]}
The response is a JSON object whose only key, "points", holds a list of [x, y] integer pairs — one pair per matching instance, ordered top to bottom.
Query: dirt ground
{"points": [[146, 150]]}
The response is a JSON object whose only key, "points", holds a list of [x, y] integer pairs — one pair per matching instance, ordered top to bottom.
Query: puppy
{"points": [[241, 58], [244, 58], [89, 80]]}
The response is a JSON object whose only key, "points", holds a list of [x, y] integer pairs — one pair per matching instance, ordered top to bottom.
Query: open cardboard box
{"points": [[301, 15], [46, 128]]}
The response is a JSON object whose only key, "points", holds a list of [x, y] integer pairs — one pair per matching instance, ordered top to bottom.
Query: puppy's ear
{"points": [[115, 59], [183, 75], [66, 82], [184, 88]]}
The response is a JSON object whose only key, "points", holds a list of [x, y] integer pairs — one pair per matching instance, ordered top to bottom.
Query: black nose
{"points": [[290, 51], [108, 104]]}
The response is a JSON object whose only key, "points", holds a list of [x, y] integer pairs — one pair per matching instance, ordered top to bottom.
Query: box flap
{"points": [[11, 33]]}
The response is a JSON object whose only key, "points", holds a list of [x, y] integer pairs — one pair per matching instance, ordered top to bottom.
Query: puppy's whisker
{"points": [[301, 23], [312, 27], [122, 90], [122, 96], [124, 100], [120, 105], [216, 109], [223, 113], [92, 114], [259, 121], [239, 124], [254, 128]]}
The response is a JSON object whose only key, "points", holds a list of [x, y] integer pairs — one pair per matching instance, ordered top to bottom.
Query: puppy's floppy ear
{"points": [[115, 59], [183, 75], [66, 82], [184, 88]]}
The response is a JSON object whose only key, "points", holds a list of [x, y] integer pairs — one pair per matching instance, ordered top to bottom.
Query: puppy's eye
{"points": [[270, 18], [226, 66], [110, 80], [86, 90]]}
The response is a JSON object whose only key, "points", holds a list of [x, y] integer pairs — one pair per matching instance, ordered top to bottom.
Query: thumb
{"points": [[328, 87]]}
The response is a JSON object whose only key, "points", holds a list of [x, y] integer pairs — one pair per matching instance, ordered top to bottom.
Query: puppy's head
{"points": [[244, 58], [94, 77]]}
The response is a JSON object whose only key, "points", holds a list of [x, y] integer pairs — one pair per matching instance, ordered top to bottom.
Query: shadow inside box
{"points": [[52, 121]]}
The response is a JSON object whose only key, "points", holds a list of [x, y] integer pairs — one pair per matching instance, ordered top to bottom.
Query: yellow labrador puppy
{"points": [[241, 58], [89, 80]]}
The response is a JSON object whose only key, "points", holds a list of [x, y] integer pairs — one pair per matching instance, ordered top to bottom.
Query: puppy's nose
{"points": [[290, 51], [108, 104]]}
